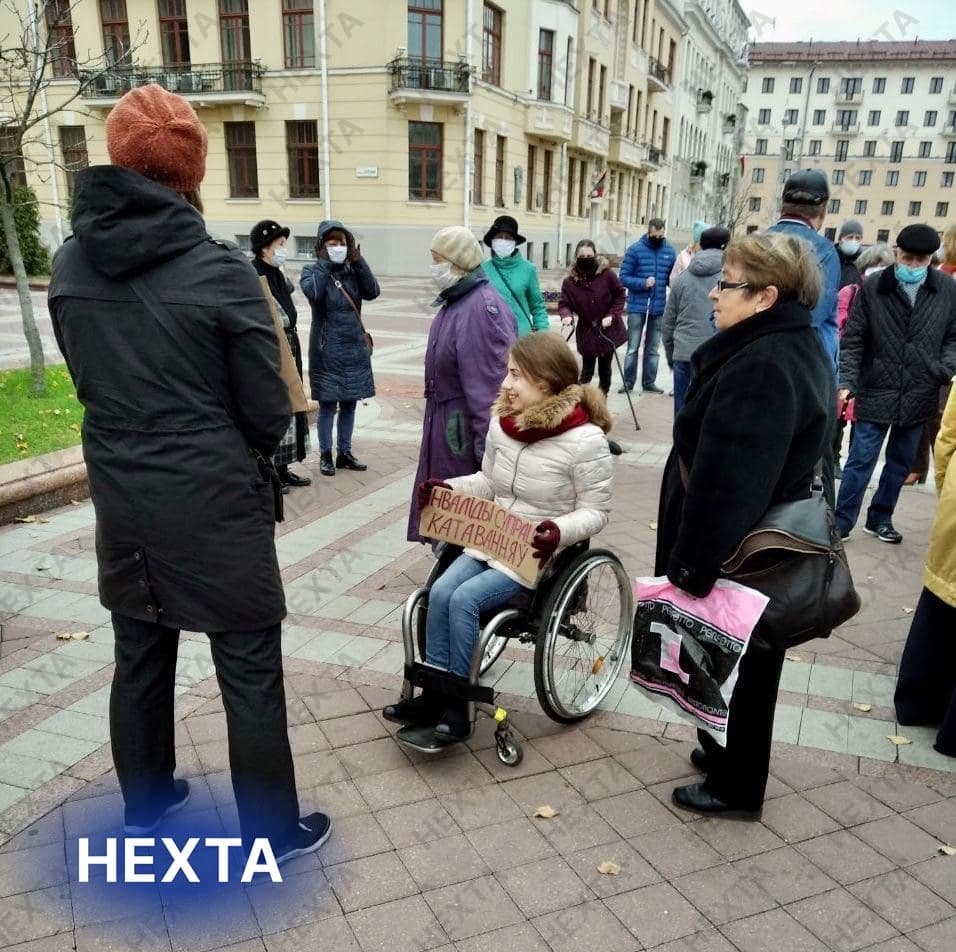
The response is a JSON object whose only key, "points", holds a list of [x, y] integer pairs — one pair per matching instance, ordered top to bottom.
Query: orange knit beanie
{"points": [[157, 133]]}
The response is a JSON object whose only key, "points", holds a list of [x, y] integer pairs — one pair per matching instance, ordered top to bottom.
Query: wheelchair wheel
{"points": [[583, 636], [492, 652]]}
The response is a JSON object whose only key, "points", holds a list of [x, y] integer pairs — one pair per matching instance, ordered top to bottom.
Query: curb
{"points": [[9, 281], [42, 482]]}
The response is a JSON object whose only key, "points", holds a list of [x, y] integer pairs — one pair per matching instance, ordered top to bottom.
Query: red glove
{"points": [[425, 490], [547, 536]]}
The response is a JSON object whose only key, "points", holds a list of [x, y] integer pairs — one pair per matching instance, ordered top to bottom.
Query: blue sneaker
{"points": [[180, 799]]}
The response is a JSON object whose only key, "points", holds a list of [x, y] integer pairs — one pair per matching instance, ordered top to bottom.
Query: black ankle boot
{"points": [[348, 461], [326, 466], [422, 711], [454, 725]]}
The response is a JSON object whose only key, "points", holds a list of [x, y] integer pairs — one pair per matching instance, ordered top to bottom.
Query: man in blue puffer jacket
{"points": [[645, 272]]}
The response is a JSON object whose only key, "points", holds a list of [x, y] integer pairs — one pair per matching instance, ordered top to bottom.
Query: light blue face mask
{"points": [[849, 247], [279, 256], [910, 275]]}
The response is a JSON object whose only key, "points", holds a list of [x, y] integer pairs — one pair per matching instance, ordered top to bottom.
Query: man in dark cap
{"points": [[898, 349]]}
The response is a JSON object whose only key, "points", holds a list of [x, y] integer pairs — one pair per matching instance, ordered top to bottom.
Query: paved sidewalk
{"points": [[447, 853]]}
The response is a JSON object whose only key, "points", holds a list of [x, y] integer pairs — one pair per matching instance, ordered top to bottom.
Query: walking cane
{"points": [[620, 370]]}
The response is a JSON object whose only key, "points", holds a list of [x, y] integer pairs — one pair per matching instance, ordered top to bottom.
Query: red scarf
{"points": [[577, 417]]}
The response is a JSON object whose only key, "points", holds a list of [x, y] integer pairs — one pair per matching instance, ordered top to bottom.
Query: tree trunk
{"points": [[35, 345]]}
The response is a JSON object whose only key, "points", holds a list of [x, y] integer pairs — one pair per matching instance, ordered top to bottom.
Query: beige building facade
{"points": [[399, 117], [878, 117]]}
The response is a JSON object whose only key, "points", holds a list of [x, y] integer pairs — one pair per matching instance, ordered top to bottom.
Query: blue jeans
{"points": [[635, 330], [681, 383], [327, 410], [857, 471], [455, 604]]}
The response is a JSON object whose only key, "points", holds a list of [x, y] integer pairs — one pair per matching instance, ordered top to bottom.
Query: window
{"points": [[425, 20], [491, 23], [59, 28], [115, 30], [174, 32], [298, 33], [235, 42], [545, 62], [796, 84], [823, 84], [879, 84], [908, 84], [936, 84], [767, 86], [851, 86], [602, 91], [589, 103], [763, 117], [790, 117], [819, 117], [903, 117], [845, 118], [873, 119], [929, 119], [500, 143], [815, 146], [302, 147], [761, 147], [788, 148], [869, 148], [925, 149], [842, 150], [896, 151], [950, 153], [75, 157], [241, 159], [424, 161], [572, 166], [532, 169], [16, 170], [478, 173], [757, 175], [838, 176], [865, 177], [892, 178], [919, 179], [946, 180], [546, 184], [584, 189], [753, 205], [833, 207], [859, 207], [886, 208], [914, 208], [942, 209], [752, 228], [829, 234], [883, 235]]}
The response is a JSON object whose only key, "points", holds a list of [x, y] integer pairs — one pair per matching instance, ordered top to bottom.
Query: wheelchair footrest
{"points": [[451, 685], [423, 740]]}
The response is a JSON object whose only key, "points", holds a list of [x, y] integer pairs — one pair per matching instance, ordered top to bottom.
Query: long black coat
{"points": [[894, 357], [755, 422], [185, 531]]}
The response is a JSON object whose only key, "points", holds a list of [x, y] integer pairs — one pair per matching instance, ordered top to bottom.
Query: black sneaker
{"points": [[652, 388], [625, 390], [884, 532], [145, 827], [310, 833]]}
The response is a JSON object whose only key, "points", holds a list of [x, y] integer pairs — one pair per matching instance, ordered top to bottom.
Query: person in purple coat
{"points": [[465, 362]]}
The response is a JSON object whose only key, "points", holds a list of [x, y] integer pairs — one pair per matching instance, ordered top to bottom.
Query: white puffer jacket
{"points": [[566, 478]]}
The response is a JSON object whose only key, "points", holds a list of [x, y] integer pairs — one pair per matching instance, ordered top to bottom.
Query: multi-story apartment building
{"points": [[401, 117], [878, 117]]}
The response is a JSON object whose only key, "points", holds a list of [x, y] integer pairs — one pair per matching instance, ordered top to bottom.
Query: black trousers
{"points": [[604, 363], [249, 671], [926, 685], [739, 771]]}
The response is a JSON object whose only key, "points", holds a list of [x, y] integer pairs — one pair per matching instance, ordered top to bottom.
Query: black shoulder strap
{"points": [[514, 296]]}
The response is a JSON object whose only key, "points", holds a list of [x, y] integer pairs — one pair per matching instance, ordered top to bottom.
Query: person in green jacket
{"points": [[515, 277]]}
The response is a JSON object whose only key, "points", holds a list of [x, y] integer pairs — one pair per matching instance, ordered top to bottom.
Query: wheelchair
{"points": [[579, 619]]}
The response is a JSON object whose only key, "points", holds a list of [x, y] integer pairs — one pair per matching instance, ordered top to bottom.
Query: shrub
{"points": [[26, 214]]}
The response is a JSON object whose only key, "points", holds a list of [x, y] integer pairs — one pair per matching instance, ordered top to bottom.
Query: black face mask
{"points": [[655, 240], [587, 265]]}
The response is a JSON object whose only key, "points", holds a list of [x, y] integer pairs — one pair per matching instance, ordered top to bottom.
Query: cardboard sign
{"points": [[287, 368], [483, 525]]}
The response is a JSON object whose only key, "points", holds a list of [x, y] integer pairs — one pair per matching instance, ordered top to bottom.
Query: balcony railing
{"points": [[429, 75], [658, 75], [187, 79], [849, 95], [705, 100]]}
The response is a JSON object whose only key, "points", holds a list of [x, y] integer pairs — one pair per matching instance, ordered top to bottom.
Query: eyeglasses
{"points": [[731, 285]]}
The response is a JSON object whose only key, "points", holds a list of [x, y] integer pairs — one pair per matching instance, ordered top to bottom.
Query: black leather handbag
{"points": [[794, 555]]}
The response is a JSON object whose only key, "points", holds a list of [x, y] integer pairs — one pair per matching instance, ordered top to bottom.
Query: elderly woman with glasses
{"points": [[754, 424]]}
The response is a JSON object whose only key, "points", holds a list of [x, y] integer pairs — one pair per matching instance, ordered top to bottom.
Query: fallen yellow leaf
{"points": [[25, 519], [652, 525], [907, 610], [80, 635], [63, 636], [793, 657], [865, 708], [896, 739], [546, 812], [947, 850], [608, 868]]}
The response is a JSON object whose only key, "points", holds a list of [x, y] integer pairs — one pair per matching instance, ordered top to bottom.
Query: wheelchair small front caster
{"points": [[508, 749]]}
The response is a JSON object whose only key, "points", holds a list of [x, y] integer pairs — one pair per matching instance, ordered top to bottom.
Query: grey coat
{"points": [[687, 315], [894, 357], [185, 531]]}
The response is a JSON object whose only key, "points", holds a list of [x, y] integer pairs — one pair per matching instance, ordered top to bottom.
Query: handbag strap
{"points": [[514, 296], [348, 297]]}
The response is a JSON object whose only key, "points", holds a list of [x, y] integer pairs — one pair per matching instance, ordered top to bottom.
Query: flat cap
{"points": [[806, 187], [715, 237], [918, 239]]}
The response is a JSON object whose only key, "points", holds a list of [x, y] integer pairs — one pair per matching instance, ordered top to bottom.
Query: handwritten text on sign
{"points": [[483, 525]]}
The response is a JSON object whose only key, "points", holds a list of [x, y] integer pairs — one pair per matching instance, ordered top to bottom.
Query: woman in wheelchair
{"points": [[546, 459]]}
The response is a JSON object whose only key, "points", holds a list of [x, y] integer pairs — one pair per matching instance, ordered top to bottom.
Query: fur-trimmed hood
{"points": [[603, 265], [551, 412]]}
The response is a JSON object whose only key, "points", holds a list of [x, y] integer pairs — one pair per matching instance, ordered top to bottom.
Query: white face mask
{"points": [[503, 247], [337, 253], [279, 256], [443, 275]]}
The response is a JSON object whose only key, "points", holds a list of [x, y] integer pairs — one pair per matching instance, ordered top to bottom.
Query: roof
{"points": [[859, 50]]}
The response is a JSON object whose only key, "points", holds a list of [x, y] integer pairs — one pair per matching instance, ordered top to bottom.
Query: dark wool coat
{"points": [[849, 272], [592, 299], [894, 357], [340, 366], [756, 421], [184, 522]]}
